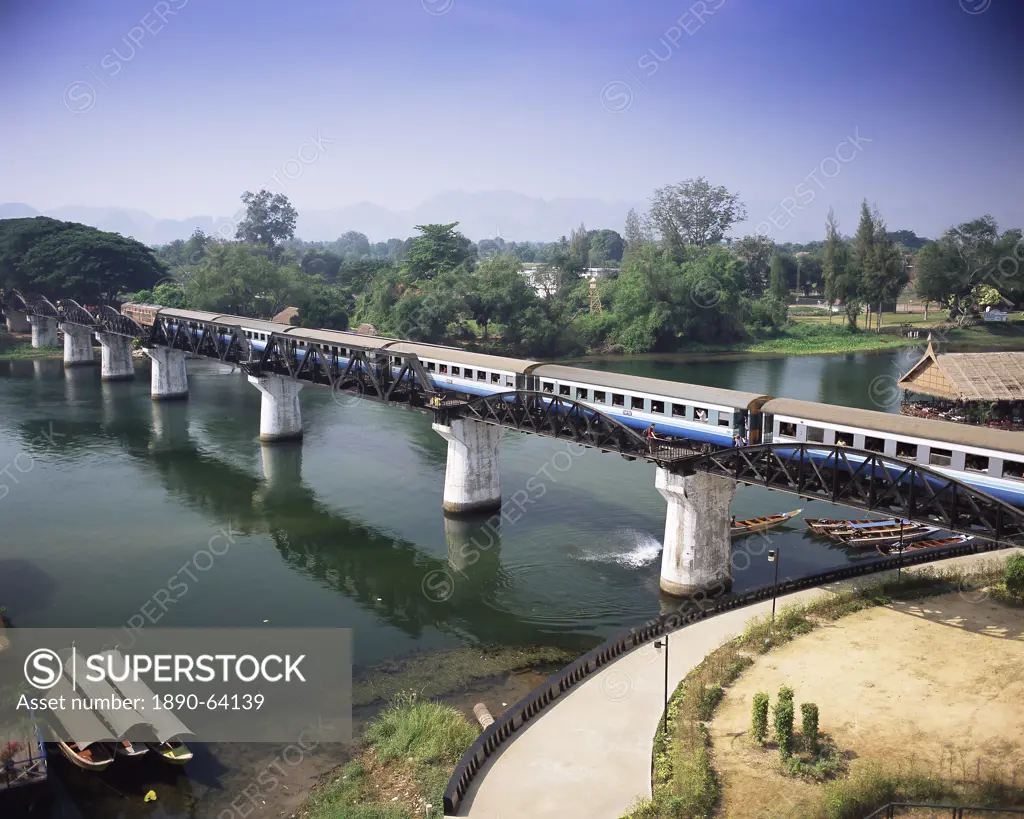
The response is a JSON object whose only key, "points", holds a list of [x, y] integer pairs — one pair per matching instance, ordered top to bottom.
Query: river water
{"points": [[112, 494]]}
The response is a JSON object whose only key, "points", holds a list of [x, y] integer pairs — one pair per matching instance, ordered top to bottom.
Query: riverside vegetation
{"points": [[671, 281], [685, 782]]}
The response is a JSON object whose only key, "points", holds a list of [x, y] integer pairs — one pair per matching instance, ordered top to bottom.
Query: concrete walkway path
{"points": [[589, 755]]}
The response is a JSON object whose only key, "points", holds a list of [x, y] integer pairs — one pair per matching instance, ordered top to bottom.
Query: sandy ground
{"points": [[935, 684]]}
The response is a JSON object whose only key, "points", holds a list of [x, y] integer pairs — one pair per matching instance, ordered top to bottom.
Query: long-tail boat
{"points": [[745, 527]]}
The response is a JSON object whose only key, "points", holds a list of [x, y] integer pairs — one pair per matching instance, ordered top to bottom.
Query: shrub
{"points": [[1015, 575], [785, 694], [759, 717], [809, 726], [784, 727], [426, 731]]}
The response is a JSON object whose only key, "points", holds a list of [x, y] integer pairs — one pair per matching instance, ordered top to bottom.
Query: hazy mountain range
{"points": [[483, 215]]}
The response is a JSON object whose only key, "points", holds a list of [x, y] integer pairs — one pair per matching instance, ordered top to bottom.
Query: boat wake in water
{"points": [[643, 550]]}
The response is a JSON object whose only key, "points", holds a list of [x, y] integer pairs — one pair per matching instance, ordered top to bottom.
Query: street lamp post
{"points": [[774, 557], [899, 566], [664, 644]]}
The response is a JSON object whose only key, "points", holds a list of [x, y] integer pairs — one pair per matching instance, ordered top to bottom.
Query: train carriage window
{"points": [[398, 361], [431, 366], [444, 369], [455, 370], [469, 372], [481, 375], [495, 378], [509, 381], [549, 386], [563, 389], [581, 393], [600, 397], [618, 400], [636, 403], [658, 406], [679, 410], [700, 416], [724, 420], [787, 429], [815, 435], [844, 439], [874, 444], [905, 450], [940, 457], [976, 463], [1013, 469]]}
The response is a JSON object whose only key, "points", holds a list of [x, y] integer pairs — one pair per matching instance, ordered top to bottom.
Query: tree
{"points": [[693, 212], [269, 219], [635, 231], [907, 238], [352, 245], [580, 245], [606, 245], [438, 249], [756, 253], [834, 258], [84, 264], [950, 269], [809, 270], [240, 280], [779, 285], [501, 293], [323, 309]]}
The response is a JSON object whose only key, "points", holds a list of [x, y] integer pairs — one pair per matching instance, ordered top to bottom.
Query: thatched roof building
{"points": [[967, 376]]}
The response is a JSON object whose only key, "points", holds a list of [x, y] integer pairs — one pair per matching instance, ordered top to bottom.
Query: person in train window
{"points": [[444, 368], [701, 415]]}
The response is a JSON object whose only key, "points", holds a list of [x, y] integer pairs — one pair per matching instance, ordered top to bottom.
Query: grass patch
{"points": [[25, 351], [431, 675], [409, 752], [685, 784]]}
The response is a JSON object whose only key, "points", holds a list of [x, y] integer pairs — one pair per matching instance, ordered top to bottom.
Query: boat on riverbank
{"points": [[750, 525], [929, 543], [177, 753], [92, 756]]}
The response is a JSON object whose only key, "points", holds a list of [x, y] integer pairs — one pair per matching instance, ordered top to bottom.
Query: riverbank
{"points": [[19, 348], [867, 689]]}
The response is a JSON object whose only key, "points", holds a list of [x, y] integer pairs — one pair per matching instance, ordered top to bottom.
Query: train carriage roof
{"points": [[340, 338], [436, 352], [653, 386], [894, 424]]}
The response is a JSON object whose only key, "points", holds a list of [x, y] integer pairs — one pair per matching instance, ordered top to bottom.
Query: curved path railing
{"points": [[694, 609]]}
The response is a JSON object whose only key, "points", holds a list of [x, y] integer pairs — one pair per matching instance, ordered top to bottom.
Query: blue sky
{"points": [[176, 107]]}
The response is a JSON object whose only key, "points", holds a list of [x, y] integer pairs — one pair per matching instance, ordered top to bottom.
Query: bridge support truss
{"points": [[44, 331], [77, 345], [115, 357], [169, 376], [280, 413], [472, 482], [697, 554]]}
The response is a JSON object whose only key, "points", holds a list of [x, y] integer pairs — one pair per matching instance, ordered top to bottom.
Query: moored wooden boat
{"points": [[824, 525], [745, 527], [910, 532], [929, 543], [128, 749], [177, 753], [95, 756]]}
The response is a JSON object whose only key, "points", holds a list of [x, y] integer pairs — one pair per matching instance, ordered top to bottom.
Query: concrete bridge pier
{"points": [[17, 321], [44, 331], [77, 345], [115, 357], [168, 376], [280, 414], [471, 480], [697, 554]]}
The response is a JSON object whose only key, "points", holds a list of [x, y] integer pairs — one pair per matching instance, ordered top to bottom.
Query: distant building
{"points": [[286, 315]]}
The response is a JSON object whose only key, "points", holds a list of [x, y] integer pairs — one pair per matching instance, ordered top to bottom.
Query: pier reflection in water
{"points": [[344, 528]]}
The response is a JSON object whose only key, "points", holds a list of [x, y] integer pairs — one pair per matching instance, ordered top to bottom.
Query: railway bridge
{"points": [[697, 478]]}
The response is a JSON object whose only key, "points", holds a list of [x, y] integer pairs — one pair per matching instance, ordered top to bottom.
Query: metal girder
{"points": [[16, 301], [42, 306], [71, 312], [108, 320], [201, 338], [364, 371], [555, 416], [866, 480]]}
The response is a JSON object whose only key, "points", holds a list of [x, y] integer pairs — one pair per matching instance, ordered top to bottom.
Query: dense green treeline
{"points": [[670, 279]]}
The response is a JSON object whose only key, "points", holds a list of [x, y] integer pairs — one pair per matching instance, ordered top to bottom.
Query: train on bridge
{"points": [[986, 459]]}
